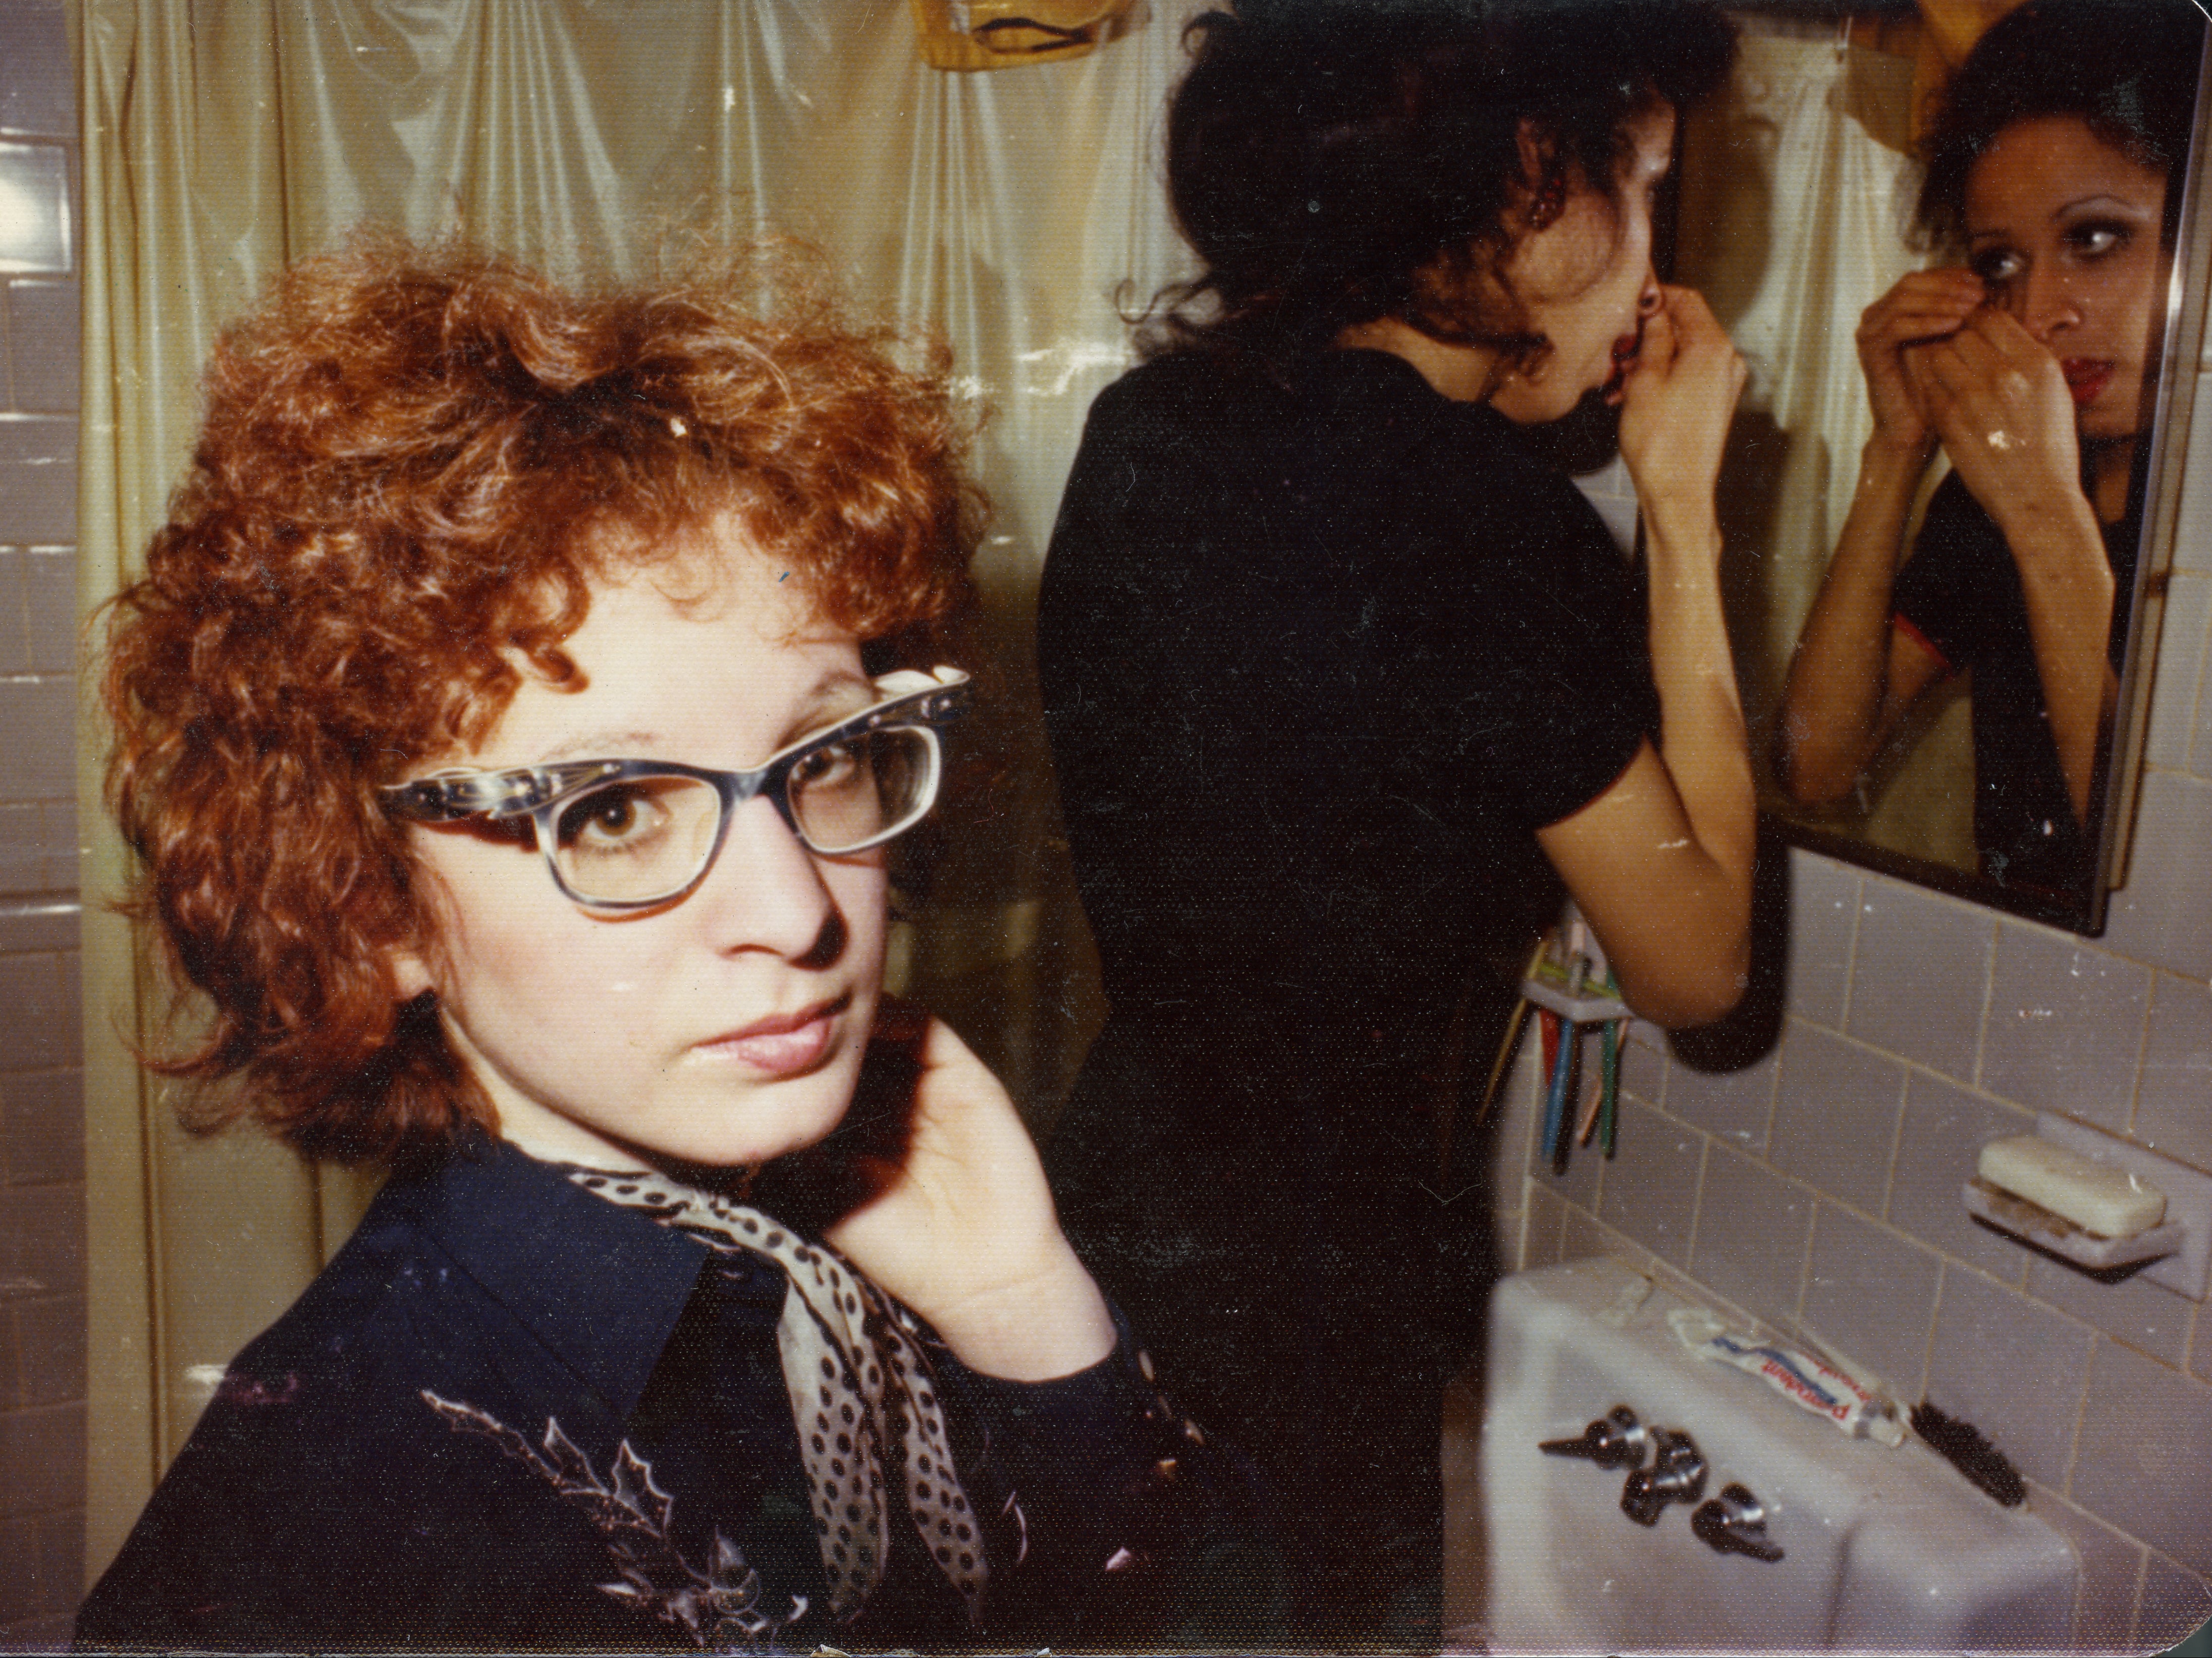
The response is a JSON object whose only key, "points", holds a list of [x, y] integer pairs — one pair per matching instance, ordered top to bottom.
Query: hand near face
{"points": [[1924, 306], [1678, 400], [1998, 400], [933, 1188]]}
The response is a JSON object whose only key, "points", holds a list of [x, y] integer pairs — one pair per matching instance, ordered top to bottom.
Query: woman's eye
{"points": [[2094, 240], [1997, 265], [827, 768], [609, 819]]}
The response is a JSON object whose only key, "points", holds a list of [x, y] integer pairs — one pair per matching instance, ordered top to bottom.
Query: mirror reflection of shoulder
{"points": [[2027, 366]]}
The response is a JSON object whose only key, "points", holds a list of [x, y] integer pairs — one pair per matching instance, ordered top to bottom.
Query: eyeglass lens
{"points": [[636, 838]]}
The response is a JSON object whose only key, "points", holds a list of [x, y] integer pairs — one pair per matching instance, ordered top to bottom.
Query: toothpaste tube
{"points": [[1806, 1381]]}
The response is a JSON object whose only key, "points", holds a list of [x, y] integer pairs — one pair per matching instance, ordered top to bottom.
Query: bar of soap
{"points": [[2096, 1197]]}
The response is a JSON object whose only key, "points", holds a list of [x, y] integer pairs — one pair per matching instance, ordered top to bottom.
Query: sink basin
{"points": [[1884, 1549]]}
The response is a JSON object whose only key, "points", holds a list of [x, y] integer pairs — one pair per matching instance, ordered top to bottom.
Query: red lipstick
{"points": [[2087, 377]]}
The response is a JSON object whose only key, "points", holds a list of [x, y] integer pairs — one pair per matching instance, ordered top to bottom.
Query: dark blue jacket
{"points": [[323, 1502]]}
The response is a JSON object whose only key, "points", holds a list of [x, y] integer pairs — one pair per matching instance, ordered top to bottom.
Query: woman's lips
{"points": [[2087, 377], [786, 1045]]}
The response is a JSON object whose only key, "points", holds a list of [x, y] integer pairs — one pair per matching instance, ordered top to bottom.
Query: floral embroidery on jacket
{"points": [[718, 1608]]}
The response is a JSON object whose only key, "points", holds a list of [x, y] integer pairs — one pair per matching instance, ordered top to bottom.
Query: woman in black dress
{"points": [[2029, 367], [1344, 682]]}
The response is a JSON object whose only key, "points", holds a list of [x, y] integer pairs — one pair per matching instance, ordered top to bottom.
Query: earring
{"points": [[1545, 206]]}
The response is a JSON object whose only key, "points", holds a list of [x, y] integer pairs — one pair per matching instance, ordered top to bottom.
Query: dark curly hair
{"points": [[2126, 69], [1334, 162], [414, 464]]}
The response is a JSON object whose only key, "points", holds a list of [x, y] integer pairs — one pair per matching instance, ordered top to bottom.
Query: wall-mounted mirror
{"points": [[1966, 708]]}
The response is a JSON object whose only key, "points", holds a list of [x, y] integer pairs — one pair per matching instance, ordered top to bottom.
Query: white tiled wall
{"points": [[1817, 1189], [42, 1307]]}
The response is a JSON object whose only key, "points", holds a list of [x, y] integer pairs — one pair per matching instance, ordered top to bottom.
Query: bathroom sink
{"points": [[1882, 1548]]}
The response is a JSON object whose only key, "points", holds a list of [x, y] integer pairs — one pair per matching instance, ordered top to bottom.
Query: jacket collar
{"points": [[601, 1286]]}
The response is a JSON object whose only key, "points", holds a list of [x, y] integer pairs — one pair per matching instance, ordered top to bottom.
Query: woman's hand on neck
{"points": [[1464, 374], [933, 1188]]}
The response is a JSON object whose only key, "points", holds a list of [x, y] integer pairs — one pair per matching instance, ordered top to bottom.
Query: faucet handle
{"points": [[1615, 1440], [1677, 1474], [1734, 1523]]}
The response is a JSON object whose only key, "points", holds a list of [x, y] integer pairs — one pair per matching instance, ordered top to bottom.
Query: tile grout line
{"points": [[2194, 713], [1852, 951], [2158, 977], [1989, 999], [1896, 1142], [1696, 1211], [1805, 1262], [1935, 1319], [2082, 1412], [2151, 1552], [2135, 1603]]}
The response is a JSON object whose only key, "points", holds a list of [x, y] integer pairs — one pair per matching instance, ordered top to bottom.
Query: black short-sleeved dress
{"points": [[1960, 593], [1321, 651]]}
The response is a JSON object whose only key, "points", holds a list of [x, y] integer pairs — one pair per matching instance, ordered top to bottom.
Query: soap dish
{"points": [[2008, 1213]]}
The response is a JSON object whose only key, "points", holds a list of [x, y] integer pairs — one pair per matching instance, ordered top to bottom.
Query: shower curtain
{"points": [[1809, 141], [1009, 212]]}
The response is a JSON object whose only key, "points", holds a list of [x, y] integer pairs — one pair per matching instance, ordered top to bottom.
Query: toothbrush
{"points": [[1560, 1050], [1593, 1098], [1555, 1111], [1609, 1117]]}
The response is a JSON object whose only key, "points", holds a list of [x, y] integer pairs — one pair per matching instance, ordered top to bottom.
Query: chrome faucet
{"points": [[1615, 1440], [1677, 1474], [1734, 1523]]}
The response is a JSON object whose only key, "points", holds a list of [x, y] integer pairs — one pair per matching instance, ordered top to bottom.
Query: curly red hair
{"points": [[414, 463]]}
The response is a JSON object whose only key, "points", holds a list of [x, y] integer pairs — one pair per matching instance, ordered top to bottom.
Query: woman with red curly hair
{"points": [[510, 723]]}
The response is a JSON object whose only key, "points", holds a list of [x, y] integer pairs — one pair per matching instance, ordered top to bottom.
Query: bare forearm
{"points": [[2007, 421], [2067, 584], [1837, 708], [1701, 709], [1661, 862], [1690, 968]]}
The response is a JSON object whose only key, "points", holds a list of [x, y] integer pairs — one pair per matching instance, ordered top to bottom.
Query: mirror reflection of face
{"points": [[2064, 230], [1587, 282], [726, 1028]]}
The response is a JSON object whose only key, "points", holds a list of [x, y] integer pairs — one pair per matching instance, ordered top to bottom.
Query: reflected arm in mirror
{"points": [[1940, 369], [2001, 404], [1856, 673], [1661, 862]]}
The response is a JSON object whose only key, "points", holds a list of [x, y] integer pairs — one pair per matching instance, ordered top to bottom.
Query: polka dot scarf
{"points": [[859, 1383]]}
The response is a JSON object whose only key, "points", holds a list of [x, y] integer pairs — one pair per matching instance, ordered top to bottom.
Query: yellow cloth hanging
{"points": [[968, 34]]}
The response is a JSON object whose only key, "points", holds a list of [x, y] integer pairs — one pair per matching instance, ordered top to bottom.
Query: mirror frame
{"points": [[2180, 354], [2180, 366]]}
